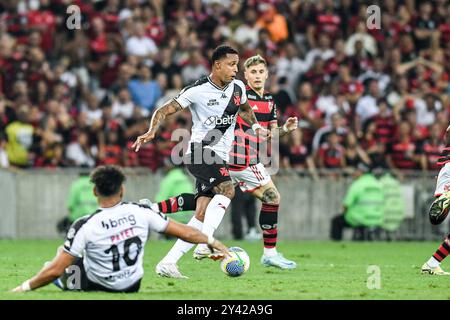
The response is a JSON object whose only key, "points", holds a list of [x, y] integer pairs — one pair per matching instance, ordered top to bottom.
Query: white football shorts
{"points": [[250, 178]]}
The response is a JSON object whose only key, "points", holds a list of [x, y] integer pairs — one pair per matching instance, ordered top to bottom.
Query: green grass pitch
{"points": [[325, 270]]}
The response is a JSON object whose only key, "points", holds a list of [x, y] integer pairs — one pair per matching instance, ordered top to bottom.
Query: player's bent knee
{"points": [[226, 189], [229, 193], [271, 196]]}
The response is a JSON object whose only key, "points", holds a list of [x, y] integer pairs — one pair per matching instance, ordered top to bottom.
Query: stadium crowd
{"points": [[80, 96]]}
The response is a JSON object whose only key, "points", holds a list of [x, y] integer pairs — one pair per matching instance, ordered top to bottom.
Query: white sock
{"points": [[214, 214], [181, 247], [270, 252], [433, 263]]}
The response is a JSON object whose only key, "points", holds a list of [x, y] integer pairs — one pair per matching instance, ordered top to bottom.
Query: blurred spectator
{"points": [[324, 19], [274, 22], [425, 27], [246, 34], [367, 42], [140, 45], [322, 51], [166, 65], [290, 65], [194, 69], [377, 72], [177, 86], [144, 91], [284, 96], [331, 101], [122, 106], [367, 106], [91, 108], [426, 109], [310, 118], [384, 122], [337, 126], [418, 132], [20, 139], [431, 149], [403, 151], [111, 152], [80, 153], [331, 154], [354, 154], [296, 155], [4, 162], [80, 202], [394, 204], [362, 207]]}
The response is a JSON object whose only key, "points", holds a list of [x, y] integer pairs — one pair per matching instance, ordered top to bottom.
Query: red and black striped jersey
{"points": [[244, 151], [432, 152], [402, 154]]}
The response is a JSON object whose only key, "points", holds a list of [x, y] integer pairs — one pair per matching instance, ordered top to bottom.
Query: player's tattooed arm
{"points": [[162, 112], [247, 114], [159, 115], [290, 125]]}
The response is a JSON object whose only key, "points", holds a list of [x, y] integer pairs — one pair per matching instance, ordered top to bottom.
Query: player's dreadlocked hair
{"points": [[107, 180]]}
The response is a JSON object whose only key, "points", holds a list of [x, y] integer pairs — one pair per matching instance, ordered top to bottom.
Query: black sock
{"points": [[268, 221]]}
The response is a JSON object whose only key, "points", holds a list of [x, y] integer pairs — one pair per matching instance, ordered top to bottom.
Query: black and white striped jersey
{"points": [[214, 112], [111, 242]]}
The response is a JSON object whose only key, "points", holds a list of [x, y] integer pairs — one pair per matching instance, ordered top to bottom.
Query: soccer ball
{"points": [[237, 264]]}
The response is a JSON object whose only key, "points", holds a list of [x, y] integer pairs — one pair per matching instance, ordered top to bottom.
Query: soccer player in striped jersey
{"points": [[246, 170], [439, 210]]}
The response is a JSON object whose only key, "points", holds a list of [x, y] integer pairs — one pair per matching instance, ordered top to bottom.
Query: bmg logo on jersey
{"points": [[220, 121], [111, 223]]}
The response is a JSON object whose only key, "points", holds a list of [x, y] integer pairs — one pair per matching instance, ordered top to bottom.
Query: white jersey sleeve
{"points": [[244, 91], [187, 96], [157, 221], [76, 237]]}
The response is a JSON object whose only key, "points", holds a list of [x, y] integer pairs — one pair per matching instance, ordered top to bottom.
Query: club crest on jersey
{"points": [[237, 98], [224, 172]]}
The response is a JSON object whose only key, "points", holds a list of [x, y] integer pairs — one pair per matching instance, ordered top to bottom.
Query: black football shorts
{"points": [[208, 176]]}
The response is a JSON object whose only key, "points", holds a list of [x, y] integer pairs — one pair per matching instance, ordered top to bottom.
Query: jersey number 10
{"points": [[126, 254]]}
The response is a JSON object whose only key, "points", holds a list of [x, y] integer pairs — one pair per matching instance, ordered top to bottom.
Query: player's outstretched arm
{"points": [[247, 114], [159, 115], [290, 125], [192, 235], [48, 274]]}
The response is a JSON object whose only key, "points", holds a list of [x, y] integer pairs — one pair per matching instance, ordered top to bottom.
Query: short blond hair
{"points": [[254, 60]]}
